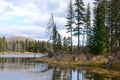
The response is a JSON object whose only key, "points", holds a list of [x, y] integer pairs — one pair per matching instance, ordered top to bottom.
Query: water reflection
{"points": [[22, 69], [69, 74], [76, 74]]}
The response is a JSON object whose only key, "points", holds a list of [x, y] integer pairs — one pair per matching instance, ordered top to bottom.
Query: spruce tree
{"points": [[79, 15], [70, 22], [87, 23], [114, 24], [53, 34], [54, 38], [99, 39], [4, 43], [59, 43], [66, 44], [0, 45], [26, 45]]}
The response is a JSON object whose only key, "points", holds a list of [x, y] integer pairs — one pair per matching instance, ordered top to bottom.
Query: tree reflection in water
{"points": [[42, 71], [75, 74]]}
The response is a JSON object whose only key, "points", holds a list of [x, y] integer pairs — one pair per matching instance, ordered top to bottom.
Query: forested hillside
{"points": [[22, 44], [26, 44]]}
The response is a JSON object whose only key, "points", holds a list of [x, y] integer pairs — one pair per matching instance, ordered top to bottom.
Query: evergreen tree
{"points": [[79, 18], [88, 21], [70, 22], [88, 24], [114, 24], [52, 32], [54, 38], [99, 39], [59, 43], [3, 44], [66, 44], [0, 45], [26, 45], [9, 46], [13, 46], [17, 46], [22, 46], [31, 46], [36, 47], [43, 47]]}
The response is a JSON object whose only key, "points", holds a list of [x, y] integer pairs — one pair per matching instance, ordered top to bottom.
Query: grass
{"points": [[16, 53], [63, 61], [72, 63], [92, 66]]}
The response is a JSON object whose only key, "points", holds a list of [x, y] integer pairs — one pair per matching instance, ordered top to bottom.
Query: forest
{"points": [[97, 34], [32, 46]]}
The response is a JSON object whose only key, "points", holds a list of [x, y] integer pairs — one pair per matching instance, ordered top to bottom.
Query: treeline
{"points": [[24, 46], [33, 46]]}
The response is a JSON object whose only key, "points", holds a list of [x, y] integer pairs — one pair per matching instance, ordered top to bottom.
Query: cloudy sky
{"points": [[30, 17]]}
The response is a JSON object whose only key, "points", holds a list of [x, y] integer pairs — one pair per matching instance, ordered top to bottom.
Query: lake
{"points": [[20, 55], [13, 67]]}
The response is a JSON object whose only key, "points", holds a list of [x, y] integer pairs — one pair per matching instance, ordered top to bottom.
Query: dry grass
{"points": [[16, 53], [95, 61]]}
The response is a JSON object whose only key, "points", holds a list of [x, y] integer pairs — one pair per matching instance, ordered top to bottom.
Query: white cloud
{"points": [[35, 15], [39, 20], [31, 31]]}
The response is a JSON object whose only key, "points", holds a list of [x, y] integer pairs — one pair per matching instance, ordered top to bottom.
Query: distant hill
{"points": [[18, 38]]}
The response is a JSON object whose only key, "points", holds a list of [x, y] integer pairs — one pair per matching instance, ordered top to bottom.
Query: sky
{"points": [[30, 17]]}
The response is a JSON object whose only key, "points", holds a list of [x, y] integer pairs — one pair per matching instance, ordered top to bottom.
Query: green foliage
{"points": [[79, 19], [88, 20], [70, 22], [114, 23], [87, 28], [53, 35], [98, 39], [3, 43], [66, 45], [24, 46]]}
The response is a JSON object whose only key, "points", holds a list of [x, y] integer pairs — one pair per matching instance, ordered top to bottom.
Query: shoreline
{"points": [[18, 53], [67, 59], [70, 63], [80, 63]]}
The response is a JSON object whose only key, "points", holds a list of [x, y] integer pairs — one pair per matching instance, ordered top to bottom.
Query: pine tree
{"points": [[79, 18], [70, 22], [88, 23], [114, 24], [53, 34], [54, 38], [99, 39], [59, 43], [66, 44], [0, 45], [26, 45], [13, 46], [17, 46], [22, 46], [31, 46], [4, 48]]}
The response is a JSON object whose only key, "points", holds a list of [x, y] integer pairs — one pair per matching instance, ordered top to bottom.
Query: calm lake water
{"points": [[20, 68]]}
